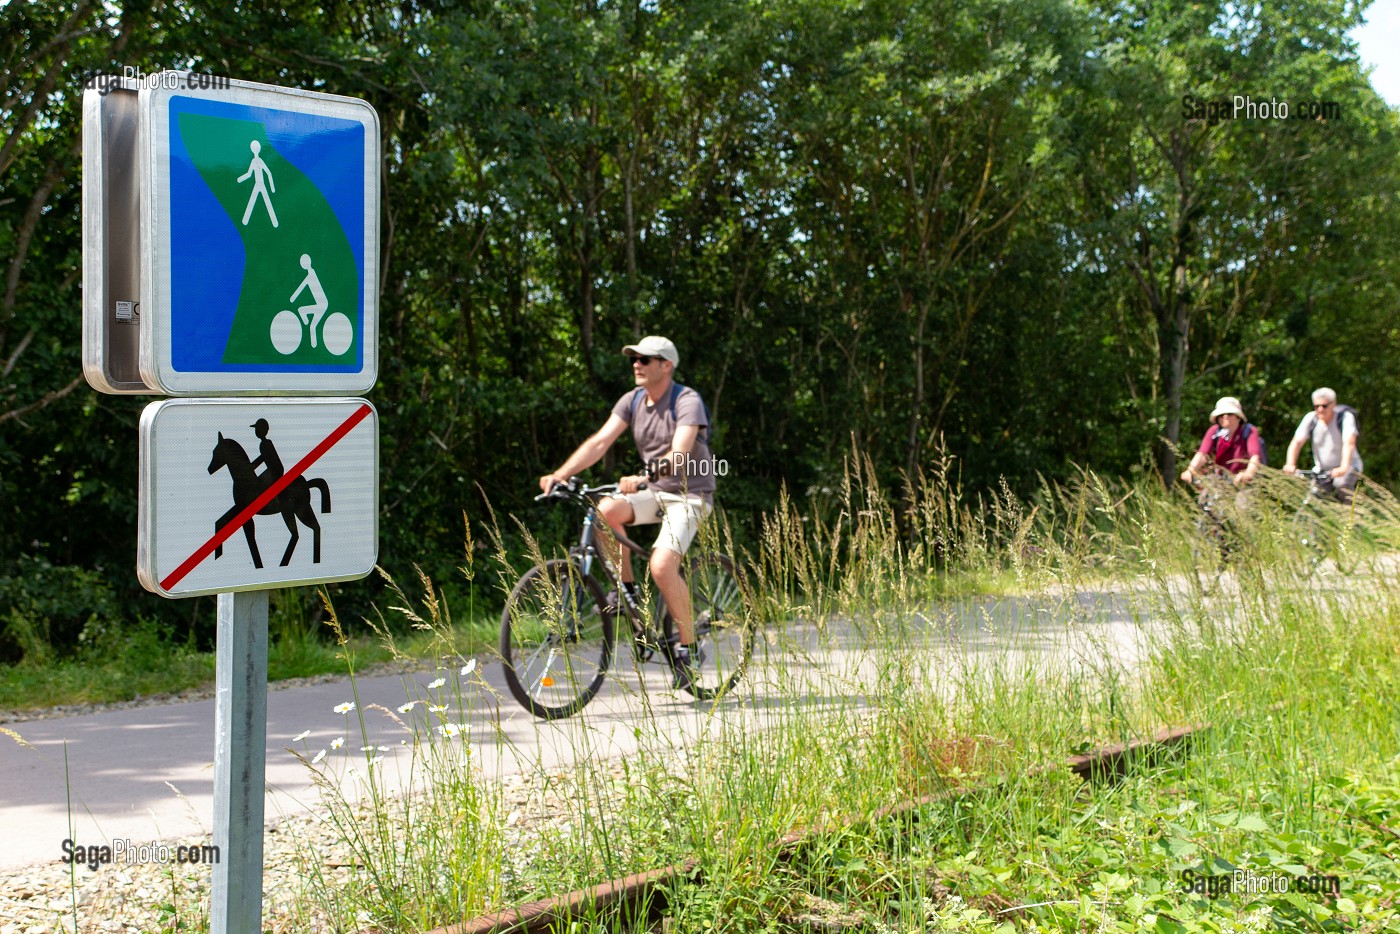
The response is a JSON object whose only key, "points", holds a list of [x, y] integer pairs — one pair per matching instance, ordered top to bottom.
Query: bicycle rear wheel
{"points": [[724, 630], [556, 639]]}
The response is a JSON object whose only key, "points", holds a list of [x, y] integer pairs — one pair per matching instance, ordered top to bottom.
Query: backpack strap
{"points": [[676, 390], [1344, 410]]}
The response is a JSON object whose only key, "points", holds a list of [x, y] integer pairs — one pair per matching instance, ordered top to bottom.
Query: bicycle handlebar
{"points": [[575, 489]]}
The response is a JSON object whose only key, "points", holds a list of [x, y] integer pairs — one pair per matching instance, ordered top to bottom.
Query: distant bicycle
{"points": [[1320, 536], [1213, 546], [558, 625]]}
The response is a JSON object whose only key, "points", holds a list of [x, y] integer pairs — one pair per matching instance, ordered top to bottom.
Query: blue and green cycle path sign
{"points": [[260, 241]]}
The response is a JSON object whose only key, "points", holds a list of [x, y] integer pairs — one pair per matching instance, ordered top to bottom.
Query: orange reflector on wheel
{"points": [[547, 681]]}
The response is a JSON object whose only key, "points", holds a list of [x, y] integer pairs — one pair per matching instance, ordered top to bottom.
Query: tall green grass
{"points": [[881, 677]]}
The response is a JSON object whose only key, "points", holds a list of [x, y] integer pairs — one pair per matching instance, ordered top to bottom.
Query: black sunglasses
{"points": [[645, 361]]}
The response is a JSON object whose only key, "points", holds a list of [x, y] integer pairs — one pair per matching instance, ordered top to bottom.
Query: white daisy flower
{"points": [[469, 667], [437, 684], [345, 707], [405, 708], [438, 708], [453, 729], [301, 736], [337, 742], [318, 757], [376, 760]]}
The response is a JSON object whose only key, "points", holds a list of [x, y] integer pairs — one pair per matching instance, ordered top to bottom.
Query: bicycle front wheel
{"points": [[1309, 544], [724, 629], [556, 639]]}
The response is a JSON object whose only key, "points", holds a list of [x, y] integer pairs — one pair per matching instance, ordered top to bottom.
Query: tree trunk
{"points": [[1172, 337], [916, 407]]}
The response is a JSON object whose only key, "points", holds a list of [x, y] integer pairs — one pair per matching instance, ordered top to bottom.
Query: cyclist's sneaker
{"points": [[674, 646], [682, 672]]}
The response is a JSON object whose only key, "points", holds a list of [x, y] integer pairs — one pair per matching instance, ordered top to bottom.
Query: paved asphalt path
{"points": [[147, 774]]}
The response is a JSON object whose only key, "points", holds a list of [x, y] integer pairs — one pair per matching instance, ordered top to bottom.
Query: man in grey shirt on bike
{"points": [[671, 428], [1333, 431]]}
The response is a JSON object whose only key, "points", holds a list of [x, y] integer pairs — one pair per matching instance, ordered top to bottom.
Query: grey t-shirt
{"points": [[654, 429], [1327, 440]]}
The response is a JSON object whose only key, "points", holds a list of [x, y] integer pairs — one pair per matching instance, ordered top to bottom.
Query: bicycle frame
{"points": [[587, 548]]}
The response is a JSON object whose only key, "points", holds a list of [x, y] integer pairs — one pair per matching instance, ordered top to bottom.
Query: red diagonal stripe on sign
{"points": [[301, 466]]}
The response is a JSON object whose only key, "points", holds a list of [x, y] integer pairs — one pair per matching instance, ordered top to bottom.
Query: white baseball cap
{"points": [[653, 346]]}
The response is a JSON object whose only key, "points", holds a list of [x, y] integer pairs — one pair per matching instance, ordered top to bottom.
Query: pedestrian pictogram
{"points": [[262, 183], [261, 261], [315, 470]]}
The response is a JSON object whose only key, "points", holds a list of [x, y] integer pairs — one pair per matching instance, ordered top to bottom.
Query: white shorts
{"points": [[680, 516]]}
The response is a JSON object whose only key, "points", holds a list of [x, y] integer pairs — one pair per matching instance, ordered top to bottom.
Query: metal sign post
{"points": [[231, 248], [240, 751]]}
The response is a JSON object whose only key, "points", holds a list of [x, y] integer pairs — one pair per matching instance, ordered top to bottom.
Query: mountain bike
{"points": [[559, 624]]}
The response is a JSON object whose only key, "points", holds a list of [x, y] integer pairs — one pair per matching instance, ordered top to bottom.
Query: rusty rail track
{"points": [[644, 895]]}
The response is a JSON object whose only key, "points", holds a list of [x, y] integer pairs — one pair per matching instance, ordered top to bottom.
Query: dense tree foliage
{"points": [[997, 226]]}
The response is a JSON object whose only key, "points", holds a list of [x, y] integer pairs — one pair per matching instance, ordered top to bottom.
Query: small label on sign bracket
{"points": [[129, 312]]}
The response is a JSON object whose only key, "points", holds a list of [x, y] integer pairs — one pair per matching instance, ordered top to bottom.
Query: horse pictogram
{"points": [[292, 503]]}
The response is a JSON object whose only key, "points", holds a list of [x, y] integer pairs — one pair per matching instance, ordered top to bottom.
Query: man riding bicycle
{"points": [[670, 426], [1333, 431]]}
